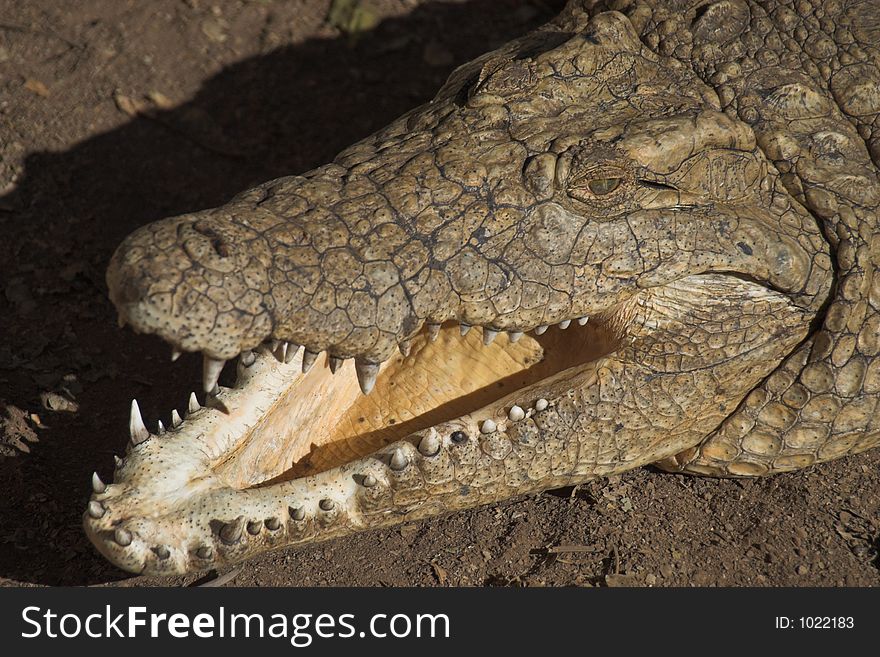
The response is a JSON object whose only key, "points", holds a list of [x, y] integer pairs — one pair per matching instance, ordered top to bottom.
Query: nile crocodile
{"points": [[646, 233]]}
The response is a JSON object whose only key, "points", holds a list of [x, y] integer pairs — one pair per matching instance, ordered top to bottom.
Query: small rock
{"points": [[215, 29], [36, 87], [52, 401], [803, 569], [666, 571], [701, 578], [650, 579], [617, 581]]}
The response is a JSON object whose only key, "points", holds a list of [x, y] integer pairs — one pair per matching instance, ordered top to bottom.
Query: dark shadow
{"points": [[277, 114]]}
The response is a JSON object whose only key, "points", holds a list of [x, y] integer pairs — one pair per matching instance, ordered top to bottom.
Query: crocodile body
{"points": [[645, 233]]}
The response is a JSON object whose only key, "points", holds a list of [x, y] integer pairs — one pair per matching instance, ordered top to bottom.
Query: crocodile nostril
{"points": [[221, 248]]}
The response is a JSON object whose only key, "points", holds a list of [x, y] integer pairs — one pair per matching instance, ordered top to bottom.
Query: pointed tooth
{"points": [[583, 320], [564, 324], [464, 329], [541, 329], [433, 331], [488, 335], [515, 335], [273, 345], [405, 348], [280, 351], [292, 351], [175, 354], [247, 358], [309, 358], [335, 364], [211, 368], [366, 374], [541, 404], [193, 405], [516, 413], [176, 420], [488, 426], [136, 428], [160, 429], [430, 444], [399, 460], [117, 461], [369, 481], [97, 485], [327, 504], [96, 509], [297, 513], [273, 524], [230, 532], [122, 537], [162, 552], [204, 552]]}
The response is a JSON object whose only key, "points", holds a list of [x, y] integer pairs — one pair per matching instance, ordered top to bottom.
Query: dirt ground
{"points": [[114, 113]]}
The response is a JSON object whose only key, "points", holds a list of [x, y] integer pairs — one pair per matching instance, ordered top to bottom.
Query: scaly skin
{"points": [[695, 177]]}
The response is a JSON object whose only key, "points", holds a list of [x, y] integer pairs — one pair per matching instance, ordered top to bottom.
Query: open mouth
{"points": [[323, 420], [303, 451]]}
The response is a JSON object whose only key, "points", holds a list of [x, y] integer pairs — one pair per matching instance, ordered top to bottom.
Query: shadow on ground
{"points": [[277, 114]]}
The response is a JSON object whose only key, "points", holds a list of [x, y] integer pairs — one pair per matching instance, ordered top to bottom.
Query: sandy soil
{"points": [[114, 113]]}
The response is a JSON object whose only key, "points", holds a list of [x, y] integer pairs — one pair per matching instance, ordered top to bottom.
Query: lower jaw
{"points": [[296, 459]]}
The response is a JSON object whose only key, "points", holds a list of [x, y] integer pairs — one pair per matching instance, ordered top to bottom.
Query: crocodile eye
{"points": [[602, 186]]}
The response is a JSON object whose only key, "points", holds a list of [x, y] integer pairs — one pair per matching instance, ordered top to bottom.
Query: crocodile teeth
{"points": [[583, 320], [564, 324], [464, 328], [541, 329], [433, 331], [488, 335], [514, 335], [405, 348], [292, 351], [280, 352], [175, 354], [247, 358], [309, 358], [335, 364], [211, 368], [366, 374], [193, 405], [541, 405], [516, 413], [176, 420], [488, 426], [136, 428], [160, 428], [429, 445], [398, 460], [117, 461], [97, 485], [96, 510], [231, 531], [122, 536], [162, 552]]}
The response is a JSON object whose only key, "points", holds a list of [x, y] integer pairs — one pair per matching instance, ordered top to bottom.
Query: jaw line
{"points": [[176, 495]]}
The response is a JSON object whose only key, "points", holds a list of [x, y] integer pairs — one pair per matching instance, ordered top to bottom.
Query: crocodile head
{"points": [[558, 182]]}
